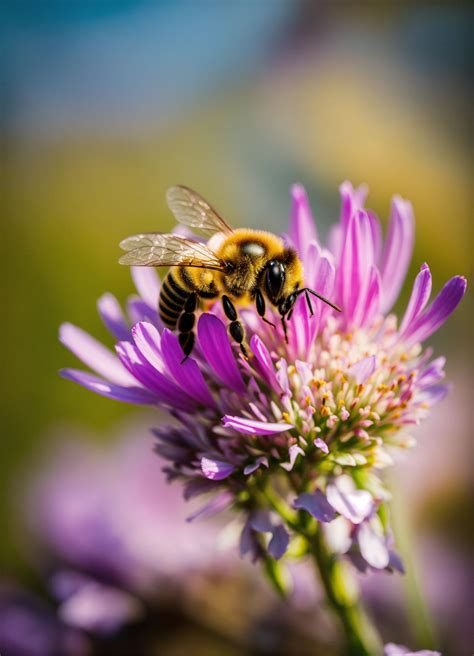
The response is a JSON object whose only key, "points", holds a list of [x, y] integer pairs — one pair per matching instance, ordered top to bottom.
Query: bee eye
{"points": [[274, 280]]}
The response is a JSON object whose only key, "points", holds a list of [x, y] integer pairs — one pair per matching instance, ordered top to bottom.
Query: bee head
{"points": [[283, 276], [274, 281]]}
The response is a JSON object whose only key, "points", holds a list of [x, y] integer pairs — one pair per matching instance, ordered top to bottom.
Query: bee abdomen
{"points": [[173, 296]]}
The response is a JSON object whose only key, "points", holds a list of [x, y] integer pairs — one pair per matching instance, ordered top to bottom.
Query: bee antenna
{"points": [[321, 298]]}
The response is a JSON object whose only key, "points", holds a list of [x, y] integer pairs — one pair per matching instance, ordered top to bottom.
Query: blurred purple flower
{"points": [[332, 401], [114, 531], [29, 627]]}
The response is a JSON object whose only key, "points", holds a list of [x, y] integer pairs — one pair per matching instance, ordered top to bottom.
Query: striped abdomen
{"points": [[174, 294]]}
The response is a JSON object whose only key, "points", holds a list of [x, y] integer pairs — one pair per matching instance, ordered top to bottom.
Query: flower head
{"points": [[314, 418]]}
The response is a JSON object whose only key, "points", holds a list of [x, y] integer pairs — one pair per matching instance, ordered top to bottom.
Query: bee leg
{"points": [[308, 301], [260, 303], [186, 323], [236, 330], [285, 330], [186, 341]]}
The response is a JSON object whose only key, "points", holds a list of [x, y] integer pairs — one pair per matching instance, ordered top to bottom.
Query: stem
{"points": [[341, 590], [342, 595]]}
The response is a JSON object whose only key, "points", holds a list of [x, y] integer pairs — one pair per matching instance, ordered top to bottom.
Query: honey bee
{"points": [[237, 265]]}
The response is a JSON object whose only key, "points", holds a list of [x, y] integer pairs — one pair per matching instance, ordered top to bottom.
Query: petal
{"points": [[351, 201], [302, 226], [376, 230], [398, 250], [357, 260], [148, 284], [419, 298], [371, 305], [138, 310], [438, 311], [113, 317], [148, 341], [216, 348], [94, 354], [264, 363], [363, 369], [433, 373], [187, 374], [166, 391], [136, 394], [435, 394], [251, 427], [321, 444], [294, 451], [249, 469], [216, 470], [197, 486], [350, 502], [317, 505], [214, 506], [260, 521], [249, 542], [279, 542], [372, 544], [100, 608]]}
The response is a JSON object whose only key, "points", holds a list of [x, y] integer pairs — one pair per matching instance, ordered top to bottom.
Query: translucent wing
{"points": [[192, 210], [157, 249]]}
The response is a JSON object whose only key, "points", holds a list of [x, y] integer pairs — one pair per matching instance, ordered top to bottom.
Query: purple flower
{"points": [[313, 417], [113, 530], [29, 627]]}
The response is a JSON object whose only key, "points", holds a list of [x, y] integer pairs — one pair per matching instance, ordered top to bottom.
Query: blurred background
{"points": [[106, 104]]}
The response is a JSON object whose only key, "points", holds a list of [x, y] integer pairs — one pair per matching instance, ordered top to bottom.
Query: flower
{"points": [[314, 419], [114, 533], [30, 627]]}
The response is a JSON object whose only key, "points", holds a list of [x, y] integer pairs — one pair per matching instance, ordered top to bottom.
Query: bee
{"points": [[241, 265]]}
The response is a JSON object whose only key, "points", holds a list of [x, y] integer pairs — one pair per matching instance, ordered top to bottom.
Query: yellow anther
{"points": [[325, 411], [286, 417]]}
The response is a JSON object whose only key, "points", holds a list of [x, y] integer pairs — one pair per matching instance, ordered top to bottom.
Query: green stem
{"points": [[341, 590], [341, 593]]}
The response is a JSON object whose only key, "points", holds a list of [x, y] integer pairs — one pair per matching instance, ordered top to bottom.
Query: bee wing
{"points": [[192, 210], [157, 249]]}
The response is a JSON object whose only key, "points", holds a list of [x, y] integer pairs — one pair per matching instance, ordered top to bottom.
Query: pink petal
{"points": [[302, 225], [398, 250], [148, 284], [419, 298], [438, 311], [112, 315], [148, 341], [216, 348], [94, 354], [264, 363], [363, 369], [187, 374], [165, 389], [135, 395], [251, 427], [294, 451], [216, 470], [352, 503], [372, 544]]}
